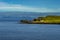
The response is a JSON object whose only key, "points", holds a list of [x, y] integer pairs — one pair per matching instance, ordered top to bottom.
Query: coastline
{"points": [[50, 19]]}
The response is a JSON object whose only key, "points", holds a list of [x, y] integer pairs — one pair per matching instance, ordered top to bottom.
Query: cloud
{"points": [[16, 7]]}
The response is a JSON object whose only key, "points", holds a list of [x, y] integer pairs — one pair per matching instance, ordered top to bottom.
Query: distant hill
{"points": [[22, 15]]}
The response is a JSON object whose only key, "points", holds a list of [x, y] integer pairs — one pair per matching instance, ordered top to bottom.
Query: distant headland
{"points": [[50, 19]]}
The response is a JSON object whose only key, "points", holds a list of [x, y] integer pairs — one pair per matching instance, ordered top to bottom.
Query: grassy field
{"points": [[51, 19]]}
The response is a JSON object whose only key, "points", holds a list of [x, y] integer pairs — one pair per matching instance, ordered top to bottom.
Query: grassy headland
{"points": [[50, 19]]}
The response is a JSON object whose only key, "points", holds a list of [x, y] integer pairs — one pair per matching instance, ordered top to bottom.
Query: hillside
{"points": [[50, 19]]}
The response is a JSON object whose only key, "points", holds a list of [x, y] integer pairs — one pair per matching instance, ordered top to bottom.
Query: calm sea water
{"points": [[10, 29]]}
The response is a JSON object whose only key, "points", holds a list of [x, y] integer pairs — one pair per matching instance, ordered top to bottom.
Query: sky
{"points": [[30, 5]]}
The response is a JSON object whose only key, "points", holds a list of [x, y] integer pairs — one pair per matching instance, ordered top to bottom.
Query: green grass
{"points": [[52, 19]]}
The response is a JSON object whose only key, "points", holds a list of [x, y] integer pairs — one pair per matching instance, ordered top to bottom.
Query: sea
{"points": [[12, 29]]}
